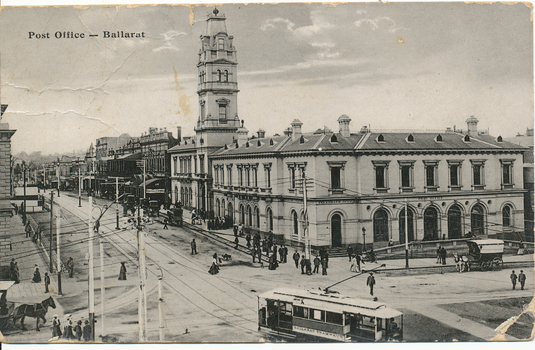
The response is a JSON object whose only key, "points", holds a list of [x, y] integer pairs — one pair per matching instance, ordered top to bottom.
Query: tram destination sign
{"points": [[318, 333]]}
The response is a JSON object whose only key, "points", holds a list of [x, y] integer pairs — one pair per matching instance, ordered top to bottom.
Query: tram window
{"points": [[285, 308], [300, 311], [318, 315], [332, 317], [379, 323]]}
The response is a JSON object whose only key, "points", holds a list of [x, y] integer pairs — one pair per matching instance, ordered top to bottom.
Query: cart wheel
{"points": [[498, 263], [484, 266]]}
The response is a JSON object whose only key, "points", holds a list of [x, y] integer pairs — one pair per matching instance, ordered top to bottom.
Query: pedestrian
{"points": [[165, 222], [28, 229], [235, 230], [248, 240], [236, 242], [193, 247], [259, 252], [275, 252], [350, 252], [253, 253], [284, 254], [439, 254], [443, 256], [296, 257], [326, 258], [359, 259], [273, 262], [303, 264], [316, 264], [324, 266], [70, 267], [353, 267], [12, 269], [214, 269], [122, 272], [17, 273], [36, 274], [513, 279], [522, 279], [47, 282], [370, 282], [56, 327], [67, 330], [78, 330], [87, 331]]}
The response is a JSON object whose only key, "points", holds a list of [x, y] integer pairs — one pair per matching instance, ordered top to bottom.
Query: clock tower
{"points": [[217, 85]]}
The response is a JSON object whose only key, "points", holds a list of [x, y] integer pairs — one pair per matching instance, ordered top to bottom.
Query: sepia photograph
{"points": [[282, 173]]}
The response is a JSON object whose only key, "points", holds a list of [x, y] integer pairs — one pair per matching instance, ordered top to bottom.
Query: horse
{"points": [[462, 262], [38, 311]]}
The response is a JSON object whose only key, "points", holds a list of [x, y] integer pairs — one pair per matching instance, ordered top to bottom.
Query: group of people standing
{"points": [[441, 255], [321, 259], [521, 279], [71, 331]]}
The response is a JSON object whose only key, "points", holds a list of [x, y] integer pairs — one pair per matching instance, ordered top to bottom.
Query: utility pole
{"points": [[58, 175], [44, 176], [24, 181], [79, 185], [144, 189], [117, 202], [305, 216], [50, 234], [406, 234], [58, 242], [91, 281], [102, 288], [142, 304], [160, 310]]}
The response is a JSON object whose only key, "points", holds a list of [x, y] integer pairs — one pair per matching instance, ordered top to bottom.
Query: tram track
{"points": [[235, 319]]}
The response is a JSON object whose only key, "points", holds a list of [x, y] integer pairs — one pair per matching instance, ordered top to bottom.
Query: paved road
{"points": [[223, 307]]}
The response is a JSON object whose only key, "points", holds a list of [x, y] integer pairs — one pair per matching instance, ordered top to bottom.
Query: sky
{"points": [[389, 66]]}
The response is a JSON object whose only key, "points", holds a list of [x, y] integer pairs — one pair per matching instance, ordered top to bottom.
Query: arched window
{"points": [[219, 75], [226, 76], [217, 207], [223, 208], [231, 211], [242, 214], [249, 216], [506, 216], [257, 217], [477, 218], [269, 219], [295, 223], [431, 224], [455, 224], [410, 225], [380, 226]]}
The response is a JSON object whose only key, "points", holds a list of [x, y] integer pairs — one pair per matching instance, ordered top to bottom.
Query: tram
{"points": [[327, 316]]}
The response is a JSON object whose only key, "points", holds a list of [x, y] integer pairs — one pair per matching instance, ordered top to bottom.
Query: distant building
{"points": [[527, 141], [6, 190]]}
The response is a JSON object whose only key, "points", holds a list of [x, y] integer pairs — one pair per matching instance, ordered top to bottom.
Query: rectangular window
{"points": [[222, 112], [201, 162], [222, 174], [506, 174], [430, 175], [454, 175], [477, 175], [216, 176], [229, 176], [240, 176], [405, 176], [247, 177], [255, 177], [292, 177], [380, 177], [268, 178], [335, 178], [300, 311], [318, 315], [333, 317]]}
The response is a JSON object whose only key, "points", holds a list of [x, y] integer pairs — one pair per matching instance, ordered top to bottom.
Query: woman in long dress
{"points": [[214, 269], [122, 272], [36, 274]]}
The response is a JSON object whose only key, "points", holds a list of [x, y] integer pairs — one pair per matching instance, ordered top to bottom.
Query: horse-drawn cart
{"points": [[487, 253], [6, 308]]}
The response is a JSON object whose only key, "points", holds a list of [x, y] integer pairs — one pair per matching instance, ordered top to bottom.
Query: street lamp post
{"points": [[79, 184], [364, 238]]}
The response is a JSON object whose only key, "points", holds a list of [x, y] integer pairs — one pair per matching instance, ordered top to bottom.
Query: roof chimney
{"points": [[343, 123], [471, 124], [296, 129], [179, 133], [261, 133], [242, 134]]}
